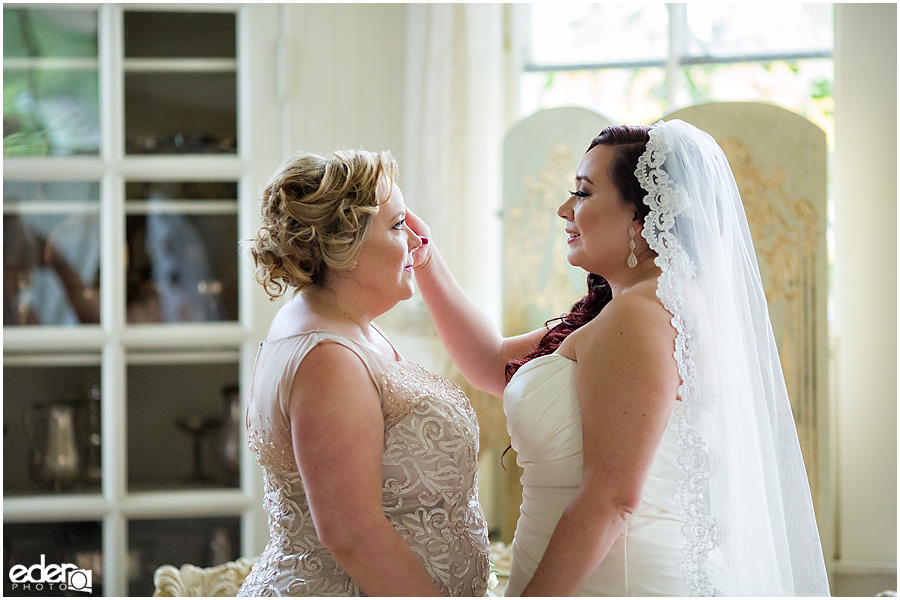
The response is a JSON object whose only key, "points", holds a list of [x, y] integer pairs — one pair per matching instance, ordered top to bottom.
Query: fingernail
{"points": [[424, 240]]}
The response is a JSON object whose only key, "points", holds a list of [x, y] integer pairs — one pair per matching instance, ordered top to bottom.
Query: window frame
{"points": [[677, 56]]}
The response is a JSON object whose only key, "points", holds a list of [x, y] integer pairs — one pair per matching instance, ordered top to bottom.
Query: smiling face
{"points": [[597, 219], [384, 267]]}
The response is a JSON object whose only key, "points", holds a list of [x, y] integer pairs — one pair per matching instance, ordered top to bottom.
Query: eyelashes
{"points": [[578, 194], [399, 224]]}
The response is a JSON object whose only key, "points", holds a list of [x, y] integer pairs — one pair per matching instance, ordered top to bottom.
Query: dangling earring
{"points": [[632, 259]]}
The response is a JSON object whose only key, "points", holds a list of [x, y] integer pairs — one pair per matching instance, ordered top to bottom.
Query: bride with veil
{"points": [[651, 421]]}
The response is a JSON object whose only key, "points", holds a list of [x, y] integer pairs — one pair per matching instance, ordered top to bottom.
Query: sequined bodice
{"points": [[430, 487]]}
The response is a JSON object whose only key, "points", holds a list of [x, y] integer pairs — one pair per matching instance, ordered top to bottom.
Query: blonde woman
{"points": [[369, 460]]}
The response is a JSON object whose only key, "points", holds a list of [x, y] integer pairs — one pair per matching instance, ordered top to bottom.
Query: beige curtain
{"points": [[461, 89], [455, 116]]}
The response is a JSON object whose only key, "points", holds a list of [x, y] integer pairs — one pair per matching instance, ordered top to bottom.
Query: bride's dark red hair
{"points": [[582, 311]]}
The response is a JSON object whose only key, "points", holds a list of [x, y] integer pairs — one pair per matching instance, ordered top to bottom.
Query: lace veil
{"points": [[744, 492]]}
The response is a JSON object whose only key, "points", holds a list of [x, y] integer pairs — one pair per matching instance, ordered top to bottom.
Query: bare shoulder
{"points": [[639, 308], [635, 321], [627, 354], [332, 373]]}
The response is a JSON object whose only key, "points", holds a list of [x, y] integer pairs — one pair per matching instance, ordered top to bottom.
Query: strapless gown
{"points": [[544, 422]]}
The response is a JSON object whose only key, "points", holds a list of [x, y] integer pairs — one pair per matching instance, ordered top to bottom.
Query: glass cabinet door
{"points": [[180, 83], [51, 97], [182, 251], [51, 253], [125, 343], [51, 424], [185, 426], [204, 542], [75, 543]]}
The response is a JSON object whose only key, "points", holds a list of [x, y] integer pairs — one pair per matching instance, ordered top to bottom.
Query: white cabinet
{"points": [[135, 140]]}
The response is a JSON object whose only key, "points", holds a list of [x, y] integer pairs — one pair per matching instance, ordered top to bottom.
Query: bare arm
{"points": [[85, 302], [473, 341], [627, 382], [338, 435]]}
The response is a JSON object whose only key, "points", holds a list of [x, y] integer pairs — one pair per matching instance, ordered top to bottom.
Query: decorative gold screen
{"points": [[779, 163]]}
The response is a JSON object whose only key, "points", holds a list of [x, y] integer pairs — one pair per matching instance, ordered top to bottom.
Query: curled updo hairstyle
{"points": [[629, 142], [316, 212]]}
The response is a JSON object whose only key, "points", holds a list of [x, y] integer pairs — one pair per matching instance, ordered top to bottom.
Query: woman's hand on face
{"points": [[422, 254]]}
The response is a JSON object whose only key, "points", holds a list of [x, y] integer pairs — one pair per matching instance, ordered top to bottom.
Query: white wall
{"points": [[346, 76], [866, 290]]}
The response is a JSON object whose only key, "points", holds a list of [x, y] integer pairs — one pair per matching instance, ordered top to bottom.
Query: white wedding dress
{"points": [[544, 422]]}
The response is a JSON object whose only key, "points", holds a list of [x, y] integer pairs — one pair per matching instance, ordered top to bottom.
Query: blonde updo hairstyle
{"points": [[316, 212]]}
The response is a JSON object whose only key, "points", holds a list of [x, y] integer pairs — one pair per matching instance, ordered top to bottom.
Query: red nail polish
{"points": [[424, 240]]}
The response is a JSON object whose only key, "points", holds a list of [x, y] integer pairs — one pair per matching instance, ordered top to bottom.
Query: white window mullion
{"points": [[110, 48], [677, 49], [51, 64], [180, 65], [111, 203], [184, 207], [112, 300], [114, 424], [115, 553]]}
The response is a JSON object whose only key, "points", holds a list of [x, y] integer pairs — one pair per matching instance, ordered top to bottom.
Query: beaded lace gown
{"points": [[544, 421], [430, 489]]}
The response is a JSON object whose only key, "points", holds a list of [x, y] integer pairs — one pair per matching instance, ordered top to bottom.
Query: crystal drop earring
{"points": [[632, 259]]}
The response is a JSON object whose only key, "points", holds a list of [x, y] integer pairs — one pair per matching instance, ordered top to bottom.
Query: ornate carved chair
{"points": [[226, 579], [189, 580]]}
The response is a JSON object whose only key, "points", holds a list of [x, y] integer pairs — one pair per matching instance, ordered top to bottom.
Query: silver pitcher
{"points": [[52, 432]]}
